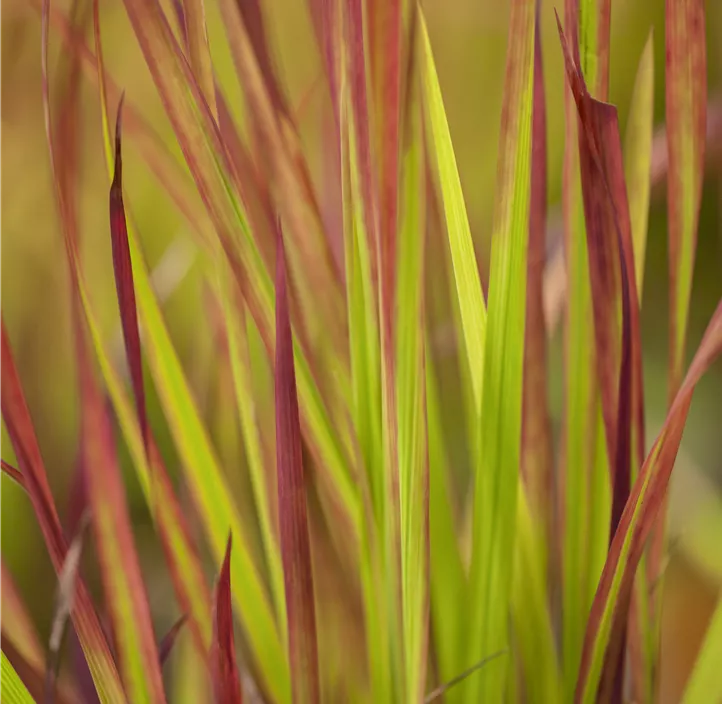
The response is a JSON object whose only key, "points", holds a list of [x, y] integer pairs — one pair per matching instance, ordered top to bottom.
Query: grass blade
{"points": [[198, 50], [686, 106], [686, 113], [638, 156], [466, 273], [612, 274], [124, 280], [236, 322], [410, 391], [20, 429], [536, 448], [199, 458], [584, 463], [497, 478], [646, 498], [293, 518], [120, 569], [448, 583], [169, 639], [224, 673], [705, 682], [12, 689]]}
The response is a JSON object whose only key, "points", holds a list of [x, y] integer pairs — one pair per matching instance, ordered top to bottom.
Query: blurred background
{"points": [[469, 41]]}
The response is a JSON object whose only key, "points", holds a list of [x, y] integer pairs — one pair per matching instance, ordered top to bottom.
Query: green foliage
{"points": [[357, 570]]}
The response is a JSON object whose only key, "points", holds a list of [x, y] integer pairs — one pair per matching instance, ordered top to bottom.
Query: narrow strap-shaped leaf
{"points": [[198, 49], [686, 108], [686, 113], [638, 156], [208, 162], [309, 251], [611, 267], [466, 273], [124, 279], [236, 323], [365, 357], [410, 381], [536, 448], [199, 459], [497, 476], [585, 485], [292, 510], [640, 513], [182, 555], [120, 568], [85, 619], [166, 645], [224, 672], [705, 682], [12, 689]]}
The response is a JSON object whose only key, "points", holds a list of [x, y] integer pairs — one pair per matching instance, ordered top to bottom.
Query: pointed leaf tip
{"points": [[123, 270], [293, 517], [224, 674]]}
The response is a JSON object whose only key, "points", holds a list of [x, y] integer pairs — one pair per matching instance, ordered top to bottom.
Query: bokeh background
{"points": [[469, 40]]}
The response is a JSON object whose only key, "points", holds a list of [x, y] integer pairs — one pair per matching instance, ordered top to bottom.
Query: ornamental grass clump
{"points": [[355, 569]]}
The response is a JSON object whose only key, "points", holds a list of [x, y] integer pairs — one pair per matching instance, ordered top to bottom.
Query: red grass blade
{"points": [[686, 110], [612, 275], [124, 282], [536, 449], [14, 473], [293, 518], [180, 551], [120, 569], [614, 592], [85, 619], [169, 639], [226, 684]]}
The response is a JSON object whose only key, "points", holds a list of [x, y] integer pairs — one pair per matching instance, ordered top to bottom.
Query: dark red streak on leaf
{"points": [[611, 269], [124, 281], [293, 517], [224, 673]]}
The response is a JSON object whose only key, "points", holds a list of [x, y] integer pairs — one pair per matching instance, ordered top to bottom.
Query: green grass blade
{"points": [[638, 156], [466, 273], [236, 322], [411, 426], [584, 461], [497, 478], [447, 578], [530, 612], [705, 682], [12, 689]]}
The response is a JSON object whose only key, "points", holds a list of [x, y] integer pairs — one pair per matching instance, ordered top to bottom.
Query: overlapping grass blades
{"points": [[356, 584]]}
